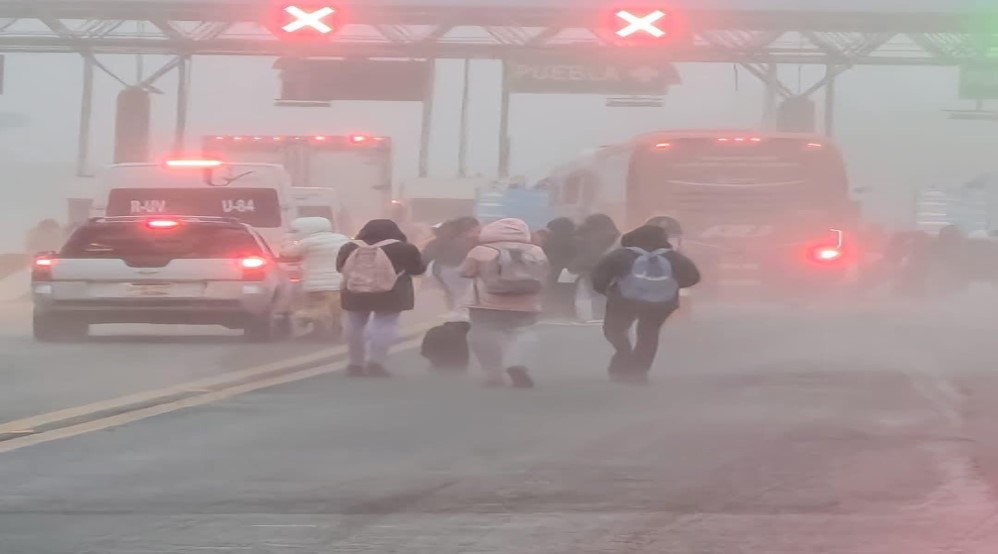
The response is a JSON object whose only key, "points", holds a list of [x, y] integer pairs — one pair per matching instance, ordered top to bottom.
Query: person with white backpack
{"points": [[377, 269], [509, 274], [641, 281]]}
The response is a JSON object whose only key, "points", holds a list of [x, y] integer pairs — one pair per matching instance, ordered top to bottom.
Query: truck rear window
{"points": [[257, 207], [134, 240]]}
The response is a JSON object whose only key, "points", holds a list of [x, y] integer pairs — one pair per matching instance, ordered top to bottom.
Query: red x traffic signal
{"points": [[307, 20], [643, 26]]}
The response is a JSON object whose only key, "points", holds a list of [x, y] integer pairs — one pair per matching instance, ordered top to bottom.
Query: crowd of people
{"points": [[499, 280]]}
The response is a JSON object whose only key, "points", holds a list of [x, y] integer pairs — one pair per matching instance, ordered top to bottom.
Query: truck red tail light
{"points": [[826, 254], [41, 268], [254, 268]]}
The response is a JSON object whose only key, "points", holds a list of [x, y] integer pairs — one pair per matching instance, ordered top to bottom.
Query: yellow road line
{"points": [[190, 387], [159, 409]]}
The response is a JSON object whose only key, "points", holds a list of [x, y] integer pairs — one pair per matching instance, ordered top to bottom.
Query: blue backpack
{"points": [[650, 280]]}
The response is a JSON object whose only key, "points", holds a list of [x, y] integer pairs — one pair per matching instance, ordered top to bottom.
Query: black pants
{"points": [[617, 329]]}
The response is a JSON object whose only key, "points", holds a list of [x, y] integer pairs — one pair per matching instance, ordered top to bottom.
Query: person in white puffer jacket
{"points": [[312, 240]]}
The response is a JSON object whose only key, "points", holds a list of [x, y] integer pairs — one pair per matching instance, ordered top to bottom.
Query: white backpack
{"points": [[368, 269]]}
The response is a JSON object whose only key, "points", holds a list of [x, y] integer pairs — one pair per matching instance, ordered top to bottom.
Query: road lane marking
{"points": [[190, 388], [160, 409]]}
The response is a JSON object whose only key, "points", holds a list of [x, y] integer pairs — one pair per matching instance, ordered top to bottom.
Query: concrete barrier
{"points": [[16, 286]]}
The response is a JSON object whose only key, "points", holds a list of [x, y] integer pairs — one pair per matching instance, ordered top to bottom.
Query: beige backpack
{"points": [[368, 269]]}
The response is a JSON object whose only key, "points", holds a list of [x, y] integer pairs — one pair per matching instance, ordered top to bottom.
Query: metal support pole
{"points": [[771, 95], [830, 101], [183, 102], [86, 115], [426, 125], [504, 142], [462, 147]]}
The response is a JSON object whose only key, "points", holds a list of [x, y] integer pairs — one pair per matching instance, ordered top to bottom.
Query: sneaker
{"points": [[376, 370], [355, 371], [521, 379]]}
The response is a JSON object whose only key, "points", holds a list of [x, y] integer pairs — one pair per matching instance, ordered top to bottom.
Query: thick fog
{"points": [[890, 121]]}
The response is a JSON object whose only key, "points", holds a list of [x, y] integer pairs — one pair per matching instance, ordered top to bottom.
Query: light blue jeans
{"points": [[370, 336]]}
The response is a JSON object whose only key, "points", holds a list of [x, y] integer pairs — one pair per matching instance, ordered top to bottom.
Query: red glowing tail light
{"points": [[162, 224], [826, 254], [41, 268], [254, 268]]}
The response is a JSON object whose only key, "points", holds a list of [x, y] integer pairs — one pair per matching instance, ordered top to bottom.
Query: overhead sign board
{"points": [[561, 75], [328, 80], [979, 81]]}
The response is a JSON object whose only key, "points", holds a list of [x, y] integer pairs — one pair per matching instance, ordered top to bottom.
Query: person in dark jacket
{"points": [[596, 236], [455, 238], [560, 249], [372, 319], [631, 363]]}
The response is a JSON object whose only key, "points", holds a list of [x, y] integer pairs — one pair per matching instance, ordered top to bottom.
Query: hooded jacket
{"points": [[505, 233], [594, 238], [312, 239], [452, 244], [560, 245], [405, 258], [617, 264]]}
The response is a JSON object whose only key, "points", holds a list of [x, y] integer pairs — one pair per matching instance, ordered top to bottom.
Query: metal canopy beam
{"points": [[233, 27]]}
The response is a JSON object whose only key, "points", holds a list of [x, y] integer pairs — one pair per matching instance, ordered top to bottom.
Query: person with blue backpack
{"points": [[641, 281]]}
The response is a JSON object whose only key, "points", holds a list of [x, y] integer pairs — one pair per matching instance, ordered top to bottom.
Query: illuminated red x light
{"points": [[313, 21], [644, 24]]}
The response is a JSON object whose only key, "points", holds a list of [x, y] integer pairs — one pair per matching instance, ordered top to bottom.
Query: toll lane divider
{"points": [[96, 416]]}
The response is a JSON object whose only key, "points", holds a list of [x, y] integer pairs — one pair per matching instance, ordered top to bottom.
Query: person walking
{"points": [[596, 236], [455, 238], [312, 240], [560, 249], [377, 268], [509, 273], [641, 281]]}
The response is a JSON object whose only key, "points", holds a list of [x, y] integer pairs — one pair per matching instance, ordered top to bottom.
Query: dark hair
{"points": [[599, 223], [670, 224], [561, 226], [378, 230], [646, 237]]}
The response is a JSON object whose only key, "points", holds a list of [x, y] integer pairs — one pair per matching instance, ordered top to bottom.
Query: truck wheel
{"points": [[54, 328]]}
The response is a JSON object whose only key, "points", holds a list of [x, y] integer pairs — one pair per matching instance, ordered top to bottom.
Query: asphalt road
{"points": [[771, 431]]}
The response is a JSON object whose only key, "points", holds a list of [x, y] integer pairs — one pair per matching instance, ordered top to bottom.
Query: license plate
{"points": [[149, 290]]}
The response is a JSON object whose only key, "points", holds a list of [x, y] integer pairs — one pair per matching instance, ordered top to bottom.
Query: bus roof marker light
{"points": [[358, 139], [755, 139], [663, 146], [814, 146], [193, 163]]}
